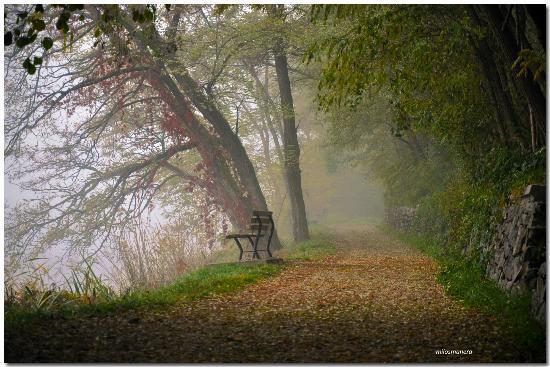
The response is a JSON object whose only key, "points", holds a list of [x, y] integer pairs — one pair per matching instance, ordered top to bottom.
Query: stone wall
{"points": [[517, 251]]}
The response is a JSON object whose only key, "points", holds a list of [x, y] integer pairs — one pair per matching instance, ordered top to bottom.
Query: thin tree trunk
{"points": [[266, 101], [269, 111], [264, 135], [291, 148]]}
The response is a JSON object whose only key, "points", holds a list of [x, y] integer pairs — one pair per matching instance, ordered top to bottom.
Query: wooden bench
{"points": [[261, 224]]}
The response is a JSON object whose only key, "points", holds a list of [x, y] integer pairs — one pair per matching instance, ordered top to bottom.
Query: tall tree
{"points": [[137, 52], [291, 147]]}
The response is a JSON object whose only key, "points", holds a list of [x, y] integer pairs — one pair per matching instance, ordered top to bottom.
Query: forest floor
{"points": [[376, 300]]}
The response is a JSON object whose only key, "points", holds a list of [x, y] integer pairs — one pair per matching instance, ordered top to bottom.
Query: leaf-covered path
{"points": [[377, 300]]}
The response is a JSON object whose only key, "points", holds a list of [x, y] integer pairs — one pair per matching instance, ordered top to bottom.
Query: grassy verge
{"points": [[317, 247], [214, 279], [210, 280], [465, 281]]}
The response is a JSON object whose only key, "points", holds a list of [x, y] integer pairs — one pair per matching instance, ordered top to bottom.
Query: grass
{"points": [[317, 247], [228, 253], [215, 279], [209, 280], [466, 282]]}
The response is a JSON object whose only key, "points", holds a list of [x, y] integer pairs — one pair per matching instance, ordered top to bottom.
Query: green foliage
{"points": [[145, 15], [29, 24], [47, 43], [418, 55], [530, 60], [419, 62], [27, 65], [405, 71], [418, 117], [411, 166], [473, 201], [429, 220], [88, 287], [34, 297]]}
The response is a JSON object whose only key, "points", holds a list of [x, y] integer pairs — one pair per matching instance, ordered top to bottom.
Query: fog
{"points": [[95, 155], [274, 183], [336, 193]]}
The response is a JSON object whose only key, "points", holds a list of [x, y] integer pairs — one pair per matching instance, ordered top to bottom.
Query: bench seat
{"points": [[243, 235]]}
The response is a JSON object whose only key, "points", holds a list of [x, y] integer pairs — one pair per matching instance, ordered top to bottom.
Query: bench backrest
{"points": [[262, 221]]}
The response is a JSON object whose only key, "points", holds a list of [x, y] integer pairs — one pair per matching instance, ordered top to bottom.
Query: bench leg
{"points": [[270, 236], [240, 248], [254, 248], [268, 251]]}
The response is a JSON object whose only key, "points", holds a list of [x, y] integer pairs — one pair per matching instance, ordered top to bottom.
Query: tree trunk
{"points": [[508, 51], [265, 100], [506, 118], [273, 126], [291, 149], [224, 188], [240, 193]]}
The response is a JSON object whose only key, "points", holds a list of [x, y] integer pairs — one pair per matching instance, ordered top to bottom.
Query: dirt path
{"points": [[375, 301]]}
